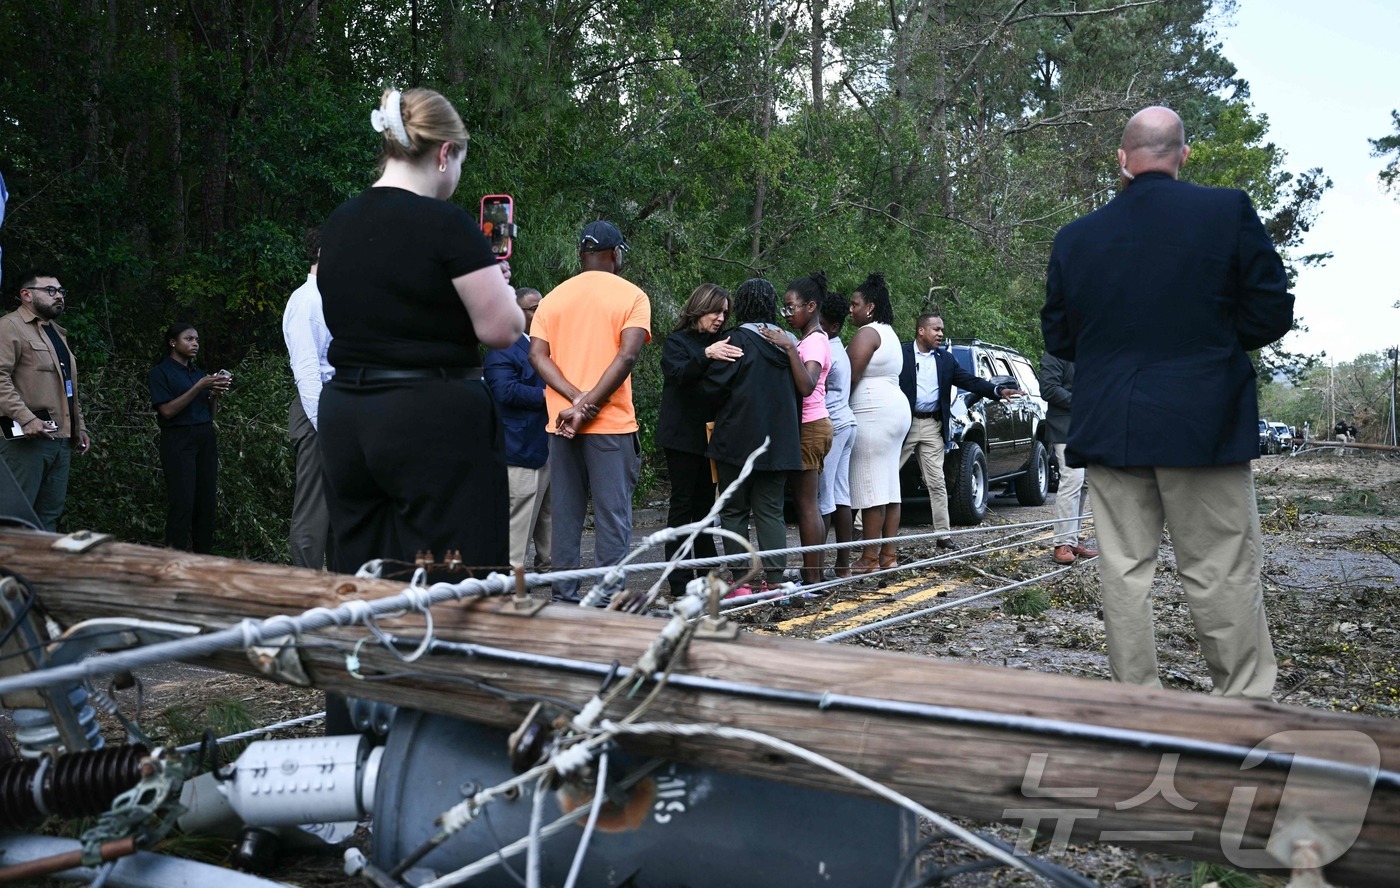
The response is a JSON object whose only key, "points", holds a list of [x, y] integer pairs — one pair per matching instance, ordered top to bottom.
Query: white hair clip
{"points": [[390, 118]]}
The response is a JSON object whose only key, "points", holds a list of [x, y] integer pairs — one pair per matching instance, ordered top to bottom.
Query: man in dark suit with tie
{"points": [[1158, 297], [927, 380], [519, 394]]}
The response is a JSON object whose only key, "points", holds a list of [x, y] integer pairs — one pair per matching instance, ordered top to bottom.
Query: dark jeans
{"points": [[190, 457], [692, 497]]}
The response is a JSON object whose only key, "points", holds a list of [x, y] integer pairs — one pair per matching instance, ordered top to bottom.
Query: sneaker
{"points": [[793, 574], [746, 589]]}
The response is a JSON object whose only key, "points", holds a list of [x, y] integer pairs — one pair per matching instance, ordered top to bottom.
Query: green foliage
{"points": [[166, 160], [1027, 601], [185, 724]]}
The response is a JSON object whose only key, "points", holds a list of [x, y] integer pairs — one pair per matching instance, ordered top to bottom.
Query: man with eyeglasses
{"points": [[39, 397]]}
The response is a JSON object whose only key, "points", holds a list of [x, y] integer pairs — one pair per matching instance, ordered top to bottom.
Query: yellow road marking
{"points": [[889, 609], [866, 614]]}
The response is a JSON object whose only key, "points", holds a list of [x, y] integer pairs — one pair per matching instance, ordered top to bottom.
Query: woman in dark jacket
{"points": [[758, 400], [685, 411]]}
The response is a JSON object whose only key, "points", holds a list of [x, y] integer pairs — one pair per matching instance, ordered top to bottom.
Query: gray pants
{"points": [[40, 467], [606, 467], [310, 540]]}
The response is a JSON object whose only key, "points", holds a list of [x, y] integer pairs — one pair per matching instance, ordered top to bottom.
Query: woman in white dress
{"points": [[882, 421]]}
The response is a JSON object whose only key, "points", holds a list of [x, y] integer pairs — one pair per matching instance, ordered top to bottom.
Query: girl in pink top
{"points": [[811, 362]]}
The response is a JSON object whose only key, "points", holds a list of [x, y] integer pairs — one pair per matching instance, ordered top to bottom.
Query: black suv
{"points": [[993, 441]]}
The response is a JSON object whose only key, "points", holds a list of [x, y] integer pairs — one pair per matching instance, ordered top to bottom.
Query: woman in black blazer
{"points": [[685, 410]]}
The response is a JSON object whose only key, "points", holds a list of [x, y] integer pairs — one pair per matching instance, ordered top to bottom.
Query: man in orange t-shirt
{"points": [[586, 337]]}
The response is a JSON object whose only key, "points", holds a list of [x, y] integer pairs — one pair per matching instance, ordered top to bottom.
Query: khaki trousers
{"points": [[926, 438], [1071, 501], [529, 514], [1213, 519]]}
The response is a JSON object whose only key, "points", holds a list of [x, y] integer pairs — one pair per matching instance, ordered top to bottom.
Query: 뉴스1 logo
{"points": [[1325, 796]]}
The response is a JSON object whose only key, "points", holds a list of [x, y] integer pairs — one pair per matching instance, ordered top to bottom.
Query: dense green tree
{"points": [[165, 160]]}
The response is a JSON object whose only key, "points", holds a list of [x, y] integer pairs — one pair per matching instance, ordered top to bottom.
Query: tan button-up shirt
{"points": [[30, 376]]}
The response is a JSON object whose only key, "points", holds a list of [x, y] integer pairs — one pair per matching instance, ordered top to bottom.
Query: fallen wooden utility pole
{"points": [[1158, 770]]}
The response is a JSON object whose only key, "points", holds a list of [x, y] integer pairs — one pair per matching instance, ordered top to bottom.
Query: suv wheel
{"points": [[1034, 483], [967, 484]]}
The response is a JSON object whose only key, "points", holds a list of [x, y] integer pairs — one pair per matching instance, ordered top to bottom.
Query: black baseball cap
{"points": [[599, 236]]}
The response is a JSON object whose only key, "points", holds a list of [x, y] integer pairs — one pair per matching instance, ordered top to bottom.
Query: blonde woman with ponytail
{"points": [[410, 288]]}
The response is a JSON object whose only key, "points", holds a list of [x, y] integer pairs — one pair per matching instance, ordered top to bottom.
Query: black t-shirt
{"points": [[388, 258], [61, 351], [169, 380]]}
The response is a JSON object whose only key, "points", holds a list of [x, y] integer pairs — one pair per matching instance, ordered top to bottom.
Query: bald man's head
{"points": [[1153, 141]]}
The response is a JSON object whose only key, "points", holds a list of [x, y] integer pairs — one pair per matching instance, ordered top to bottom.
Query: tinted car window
{"points": [[963, 355], [1026, 376]]}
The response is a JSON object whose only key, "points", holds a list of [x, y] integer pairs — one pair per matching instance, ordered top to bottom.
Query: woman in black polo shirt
{"points": [[185, 399], [409, 436]]}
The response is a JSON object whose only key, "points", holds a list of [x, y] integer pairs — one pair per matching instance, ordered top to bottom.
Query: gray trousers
{"points": [[605, 466], [40, 467], [1213, 519], [310, 539]]}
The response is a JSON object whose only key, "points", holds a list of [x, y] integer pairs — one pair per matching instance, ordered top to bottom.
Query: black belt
{"points": [[361, 375], [931, 415]]}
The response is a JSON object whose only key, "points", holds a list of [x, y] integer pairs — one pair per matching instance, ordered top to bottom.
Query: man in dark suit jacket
{"points": [[1157, 297], [927, 380], [519, 394]]}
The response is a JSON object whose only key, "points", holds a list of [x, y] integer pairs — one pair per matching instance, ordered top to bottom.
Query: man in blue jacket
{"points": [[1158, 297], [927, 379], [519, 394]]}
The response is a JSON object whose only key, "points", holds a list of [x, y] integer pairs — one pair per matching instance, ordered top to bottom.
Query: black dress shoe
{"points": [[948, 544]]}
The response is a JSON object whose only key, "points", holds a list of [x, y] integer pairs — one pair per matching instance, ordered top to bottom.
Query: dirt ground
{"points": [[1332, 549]]}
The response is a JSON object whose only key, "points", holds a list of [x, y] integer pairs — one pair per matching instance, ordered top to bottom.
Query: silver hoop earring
{"points": [[442, 168]]}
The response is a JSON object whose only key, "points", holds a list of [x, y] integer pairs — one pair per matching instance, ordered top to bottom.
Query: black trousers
{"points": [[190, 457], [414, 465], [692, 496]]}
